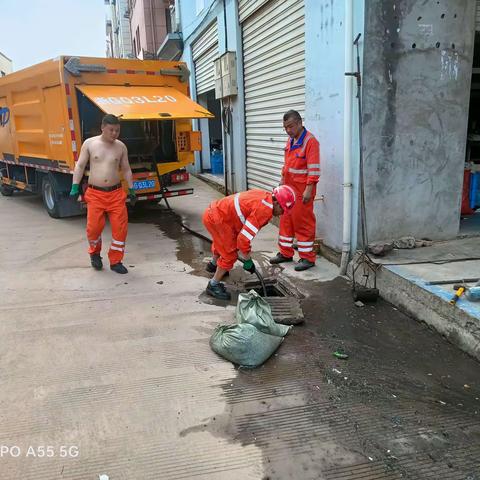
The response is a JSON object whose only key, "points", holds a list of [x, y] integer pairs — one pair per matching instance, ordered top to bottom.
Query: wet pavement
{"points": [[121, 369], [405, 404]]}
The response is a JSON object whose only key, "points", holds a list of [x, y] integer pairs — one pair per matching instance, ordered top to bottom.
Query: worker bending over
{"points": [[233, 223]]}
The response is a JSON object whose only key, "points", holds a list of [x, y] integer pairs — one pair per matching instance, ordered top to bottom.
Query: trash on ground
{"points": [[380, 249], [473, 294], [359, 304], [255, 310], [244, 344], [340, 354]]}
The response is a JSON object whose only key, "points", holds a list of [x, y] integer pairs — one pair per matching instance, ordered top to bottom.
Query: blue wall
{"points": [[193, 26], [324, 85], [324, 110]]}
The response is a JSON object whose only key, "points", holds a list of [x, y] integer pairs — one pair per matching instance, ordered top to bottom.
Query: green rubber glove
{"points": [[75, 191], [132, 196], [249, 266]]}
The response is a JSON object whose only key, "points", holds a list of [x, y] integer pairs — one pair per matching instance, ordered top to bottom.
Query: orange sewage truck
{"points": [[49, 109]]}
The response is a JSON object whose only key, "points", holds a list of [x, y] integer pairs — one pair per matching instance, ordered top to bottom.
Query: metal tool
{"points": [[448, 282], [457, 295]]}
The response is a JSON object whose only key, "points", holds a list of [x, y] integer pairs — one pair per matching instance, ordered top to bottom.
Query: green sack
{"points": [[255, 310], [243, 344]]}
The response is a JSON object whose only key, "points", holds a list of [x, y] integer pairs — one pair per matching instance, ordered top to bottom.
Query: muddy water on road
{"points": [[405, 405]]}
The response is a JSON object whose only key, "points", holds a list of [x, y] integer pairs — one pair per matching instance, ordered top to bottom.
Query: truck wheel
{"points": [[6, 191], [50, 198]]}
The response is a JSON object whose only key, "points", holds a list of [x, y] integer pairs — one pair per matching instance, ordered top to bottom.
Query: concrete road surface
{"points": [[105, 376]]}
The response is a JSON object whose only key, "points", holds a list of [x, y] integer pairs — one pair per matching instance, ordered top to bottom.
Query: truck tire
{"points": [[6, 191], [49, 197]]}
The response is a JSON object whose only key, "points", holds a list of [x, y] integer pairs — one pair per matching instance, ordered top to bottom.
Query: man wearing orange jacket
{"points": [[301, 172], [233, 223]]}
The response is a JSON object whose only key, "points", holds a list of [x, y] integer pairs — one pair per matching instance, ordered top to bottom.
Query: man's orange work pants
{"points": [[100, 204], [299, 224], [224, 239]]}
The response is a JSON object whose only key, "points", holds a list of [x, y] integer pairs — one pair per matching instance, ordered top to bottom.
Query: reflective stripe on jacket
{"points": [[302, 162], [246, 213]]}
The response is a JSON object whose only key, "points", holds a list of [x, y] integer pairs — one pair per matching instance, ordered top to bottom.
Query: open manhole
{"points": [[282, 298]]}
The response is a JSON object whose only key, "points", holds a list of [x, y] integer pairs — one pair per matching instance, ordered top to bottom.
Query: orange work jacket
{"points": [[302, 160], [246, 213]]}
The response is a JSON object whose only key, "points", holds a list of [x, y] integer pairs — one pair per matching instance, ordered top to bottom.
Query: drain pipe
{"points": [[347, 140]]}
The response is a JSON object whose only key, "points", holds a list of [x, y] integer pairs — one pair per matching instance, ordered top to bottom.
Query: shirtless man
{"points": [[105, 195]]}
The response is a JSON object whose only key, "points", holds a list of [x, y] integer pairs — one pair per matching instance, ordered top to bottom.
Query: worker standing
{"points": [[301, 171], [105, 196], [233, 223]]}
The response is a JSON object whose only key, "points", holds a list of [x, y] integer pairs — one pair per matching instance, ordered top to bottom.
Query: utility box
{"points": [[226, 75], [218, 89]]}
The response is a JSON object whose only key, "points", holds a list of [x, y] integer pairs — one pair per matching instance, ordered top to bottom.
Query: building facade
{"points": [[150, 22], [119, 38], [420, 64], [6, 65], [278, 67]]}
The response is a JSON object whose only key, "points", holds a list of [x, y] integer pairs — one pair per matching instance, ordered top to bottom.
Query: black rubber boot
{"points": [[279, 258], [96, 261], [303, 264], [119, 268], [218, 291]]}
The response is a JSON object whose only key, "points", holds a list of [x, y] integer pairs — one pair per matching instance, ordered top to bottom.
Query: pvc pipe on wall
{"points": [[347, 139]]}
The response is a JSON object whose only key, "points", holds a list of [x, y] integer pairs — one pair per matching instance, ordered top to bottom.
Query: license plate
{"points": [[144, 184]]}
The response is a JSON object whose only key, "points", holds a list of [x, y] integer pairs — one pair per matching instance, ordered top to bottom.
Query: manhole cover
{"points": [[282, 298], [286, 310]]}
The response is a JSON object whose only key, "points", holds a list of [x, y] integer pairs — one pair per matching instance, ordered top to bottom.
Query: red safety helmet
{"points": [[285, 196]]}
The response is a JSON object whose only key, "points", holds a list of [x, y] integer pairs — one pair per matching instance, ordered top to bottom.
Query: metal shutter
{"points": [[247, 7], [477, 17], [204, 52], [274, 73]]}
